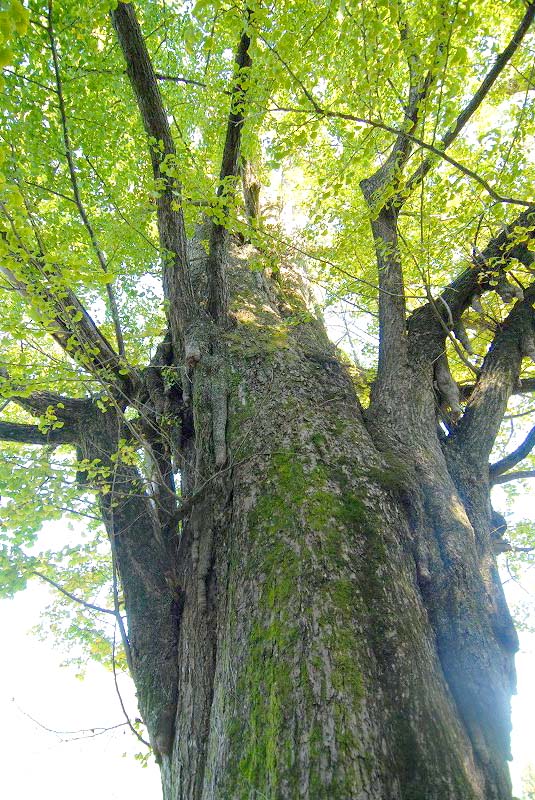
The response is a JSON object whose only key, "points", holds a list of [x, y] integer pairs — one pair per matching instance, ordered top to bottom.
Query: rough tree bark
{"points": [[317, 613]]}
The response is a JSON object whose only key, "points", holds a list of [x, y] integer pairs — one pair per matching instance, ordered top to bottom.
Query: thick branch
{"points": [[471, 107], [389, 173], [251, 191], [219, 235], [176, 277], [457, 296], [392, 308], [392, 311], [524, 386], [69, 410], [477, 430], [31, 434], [513, 458], [514, 476]]}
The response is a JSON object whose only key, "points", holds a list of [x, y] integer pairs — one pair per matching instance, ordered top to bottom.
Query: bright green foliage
{"points": [[346, 57]]}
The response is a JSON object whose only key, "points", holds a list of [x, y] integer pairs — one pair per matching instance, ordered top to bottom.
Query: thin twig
{"points": [[76, 191], [71, 596], [121, 703]]}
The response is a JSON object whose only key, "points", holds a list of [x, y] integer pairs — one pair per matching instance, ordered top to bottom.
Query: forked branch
{"points": [[456, 297], [67, 321], [478, 428], [519, 475]]}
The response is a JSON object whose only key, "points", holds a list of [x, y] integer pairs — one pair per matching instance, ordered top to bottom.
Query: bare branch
{"points": [[179, 79], [505, 464], [90, 606], [122, 630], [120, 698], [85, 733]]}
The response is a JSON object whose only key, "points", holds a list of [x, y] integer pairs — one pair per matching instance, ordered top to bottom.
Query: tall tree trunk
{"points": [[338, 635]]}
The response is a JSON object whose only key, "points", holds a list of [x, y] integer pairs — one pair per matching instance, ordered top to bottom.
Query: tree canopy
{"points": [[344, 109]]}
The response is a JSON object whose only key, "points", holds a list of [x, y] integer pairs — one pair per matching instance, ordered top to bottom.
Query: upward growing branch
{"points": [[484, 88], [75, 188], [384, 216], [219, 236], [176, 276], [66, 319], [478, 428], [514, 458]]}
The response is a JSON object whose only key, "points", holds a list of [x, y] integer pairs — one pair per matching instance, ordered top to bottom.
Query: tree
{"points": [[303, 576]]}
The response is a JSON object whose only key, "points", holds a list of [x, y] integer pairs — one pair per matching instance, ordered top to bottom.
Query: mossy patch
{"points": [[254, 338], [299, 530]]}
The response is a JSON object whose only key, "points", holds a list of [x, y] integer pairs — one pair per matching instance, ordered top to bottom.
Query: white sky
{"points": [[36, 763]]}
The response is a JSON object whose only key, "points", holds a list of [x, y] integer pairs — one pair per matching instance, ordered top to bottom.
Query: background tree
{"points": [[303, 576]]}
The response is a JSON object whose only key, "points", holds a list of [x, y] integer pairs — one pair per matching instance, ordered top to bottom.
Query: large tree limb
{"points": [[484, 88], [389, 173], [384, 217], [219, 234], [177, 285], [457, 296], [392, 308], [523, 386], [68, 409], [479, 425], [31, 434], [510, 461]]}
